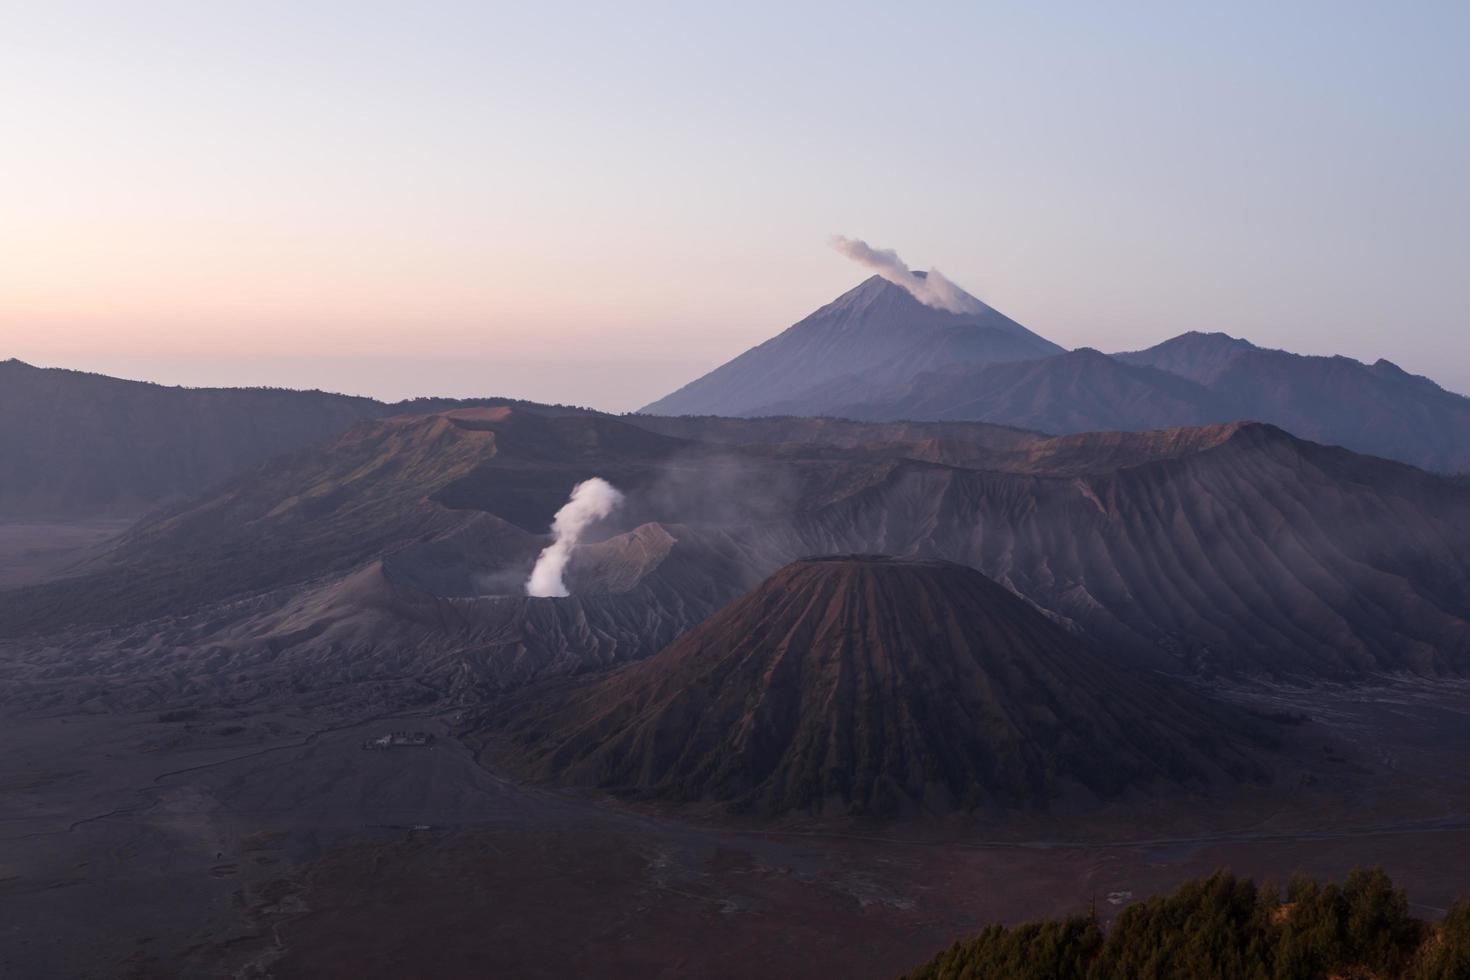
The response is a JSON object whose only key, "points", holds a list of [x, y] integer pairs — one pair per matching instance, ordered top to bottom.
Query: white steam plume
{"points": [[931, 289], [591, 501]]}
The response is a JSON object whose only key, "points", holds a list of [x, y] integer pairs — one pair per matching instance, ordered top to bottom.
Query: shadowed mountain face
{"points": [[876, 331], [1195, 379], [1079, 391], [1373, 408], [85, 445], [1233, 548], [1228, 555], [878, 685]]}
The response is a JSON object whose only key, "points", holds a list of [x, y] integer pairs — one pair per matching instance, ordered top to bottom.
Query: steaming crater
{"points": [[591, 501], [489, 559]]}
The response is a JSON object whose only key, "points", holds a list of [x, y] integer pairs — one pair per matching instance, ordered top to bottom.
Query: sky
{"points": [[594, 203]]}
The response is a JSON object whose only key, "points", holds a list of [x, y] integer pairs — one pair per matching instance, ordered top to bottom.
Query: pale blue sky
{"points": [[458, 198]]}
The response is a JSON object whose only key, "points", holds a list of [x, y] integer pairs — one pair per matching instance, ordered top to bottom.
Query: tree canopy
{"points": [[1227, 928]]}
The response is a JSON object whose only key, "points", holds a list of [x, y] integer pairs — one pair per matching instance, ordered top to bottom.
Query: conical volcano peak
{"points": [[930, 288], [912, 295], [886, 330], [803, 696]]}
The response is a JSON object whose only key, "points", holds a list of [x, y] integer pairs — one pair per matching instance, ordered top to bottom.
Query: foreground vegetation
{"points": [[1226, 928]]}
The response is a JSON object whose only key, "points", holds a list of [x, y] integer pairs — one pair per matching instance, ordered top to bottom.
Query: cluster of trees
{"points": [[1225, 928]]}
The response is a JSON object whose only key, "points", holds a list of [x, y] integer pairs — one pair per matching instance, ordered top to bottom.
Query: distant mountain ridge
{"points": [[877, 354], [1200, 357], [1193, 379], [1376, 408], [76, 444], [79, 445]]}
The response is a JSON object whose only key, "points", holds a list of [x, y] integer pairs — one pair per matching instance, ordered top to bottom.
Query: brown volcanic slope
{"points": [[1228, 547], [1248, 550], [868, 684]]}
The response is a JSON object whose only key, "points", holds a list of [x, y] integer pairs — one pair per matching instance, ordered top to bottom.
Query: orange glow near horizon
{"points": [[324, 184]]}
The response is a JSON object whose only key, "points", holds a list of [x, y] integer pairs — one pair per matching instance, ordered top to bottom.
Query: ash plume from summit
{"points": [[931, 288], [591, 501]]}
